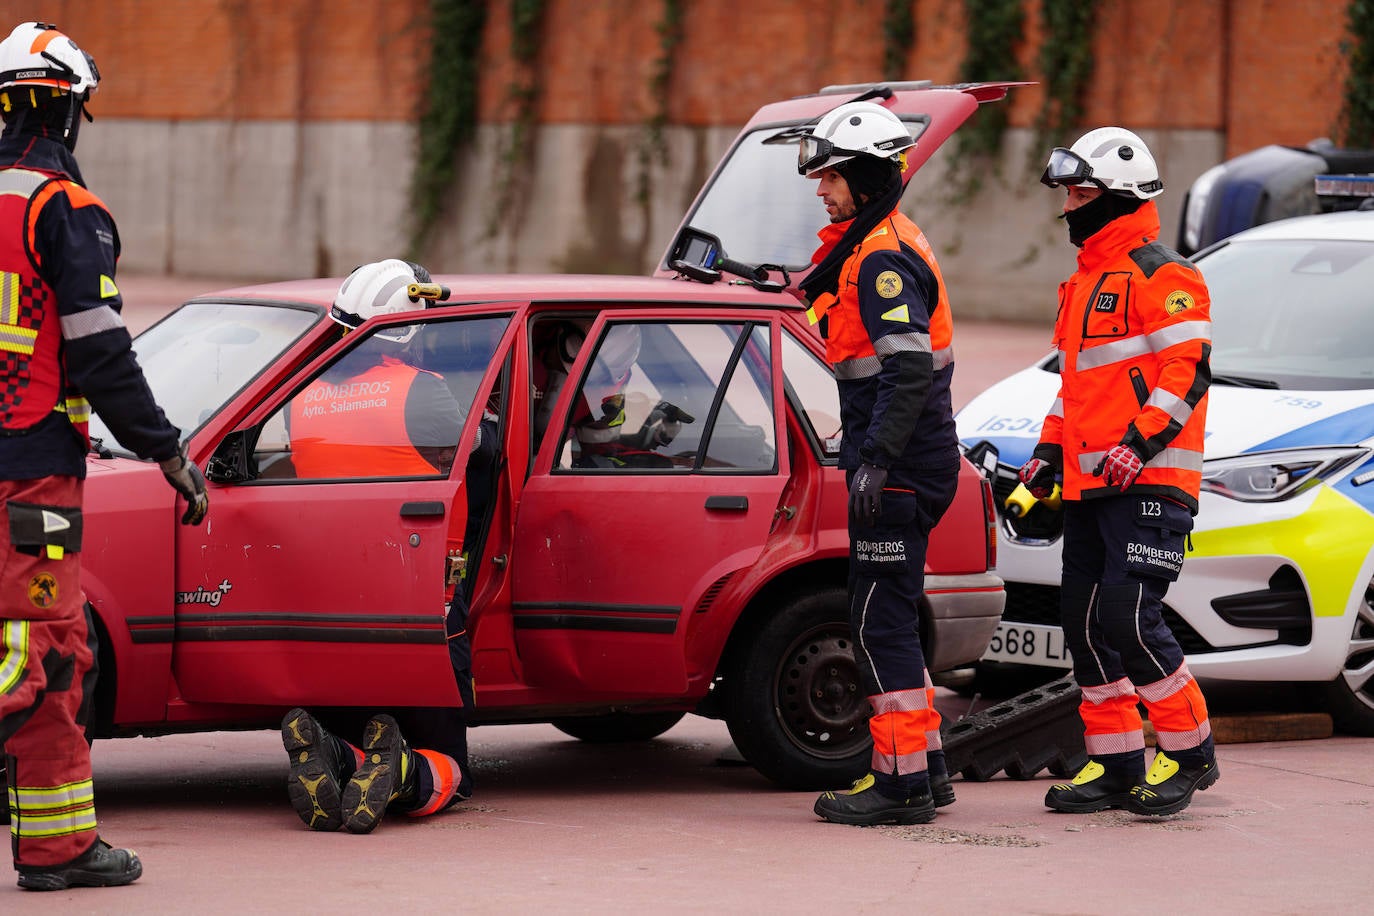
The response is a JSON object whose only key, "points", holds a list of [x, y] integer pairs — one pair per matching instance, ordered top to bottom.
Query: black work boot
{"points": [[380, 777], [315, 782], [1169, 786], [1095, 788], [941, 789], [862, 805], [100, 866]]}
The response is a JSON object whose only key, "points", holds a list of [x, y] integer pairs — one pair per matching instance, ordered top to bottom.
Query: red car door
{"points": [[617, 542], [328, 588]]}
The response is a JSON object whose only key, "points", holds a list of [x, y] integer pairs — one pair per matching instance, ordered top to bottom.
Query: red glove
{"points": [[1119, 467], [1038, 476]]}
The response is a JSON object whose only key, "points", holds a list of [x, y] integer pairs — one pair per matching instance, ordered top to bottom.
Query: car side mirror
{"points": [[695, 255], [984, 457], [233, 461]]}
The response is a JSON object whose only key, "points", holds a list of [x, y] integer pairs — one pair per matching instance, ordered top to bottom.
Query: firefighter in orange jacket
{"points": [[880, 301], [1134, 336], [62, 341], [381, 417]]}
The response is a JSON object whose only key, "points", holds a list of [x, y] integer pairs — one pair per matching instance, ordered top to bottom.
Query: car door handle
{"points": [[728, 503], [425, 509]]}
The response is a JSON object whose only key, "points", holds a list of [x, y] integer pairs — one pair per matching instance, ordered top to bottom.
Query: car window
{"points": [[1295, 313], [203, 354], [812, 387], [674, 396], [391, 406]]}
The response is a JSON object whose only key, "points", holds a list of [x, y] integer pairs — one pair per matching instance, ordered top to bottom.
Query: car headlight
{"points": [[1272, 476]]}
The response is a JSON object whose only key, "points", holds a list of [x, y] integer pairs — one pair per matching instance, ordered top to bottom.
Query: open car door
{"points": [[321, 580]]}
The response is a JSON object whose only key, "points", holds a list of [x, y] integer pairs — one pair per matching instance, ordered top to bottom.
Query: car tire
{"points": [[1350, 697], [794, 703], [618, 726]]}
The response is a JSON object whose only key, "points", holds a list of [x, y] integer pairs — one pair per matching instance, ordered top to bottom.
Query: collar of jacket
{"points": [[30, 151], [1125, 233]]}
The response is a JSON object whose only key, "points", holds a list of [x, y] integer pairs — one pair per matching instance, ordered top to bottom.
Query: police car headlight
{"points": [[1272, 476]]}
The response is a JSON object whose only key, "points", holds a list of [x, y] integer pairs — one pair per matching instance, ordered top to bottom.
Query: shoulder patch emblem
{"points": [[888, 284], [1178, 301], [900, 313], [43, 590]]}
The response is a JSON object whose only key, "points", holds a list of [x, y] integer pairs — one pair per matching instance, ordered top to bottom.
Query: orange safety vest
{"points": [[1134, 336], [847, 345], [33, 380], [357, 428]]}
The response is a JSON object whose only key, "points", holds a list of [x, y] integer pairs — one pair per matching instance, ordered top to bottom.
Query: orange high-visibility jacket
{"points": [[1134, 336], [357, 428]]}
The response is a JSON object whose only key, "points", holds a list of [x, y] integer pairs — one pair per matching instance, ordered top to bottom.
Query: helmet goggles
{"points": [[814, 152], [1067, 168]]}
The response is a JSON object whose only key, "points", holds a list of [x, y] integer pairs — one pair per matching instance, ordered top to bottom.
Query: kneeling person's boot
{"points": [[320, 765], [379, 779], [1169, 786], [1095, 788], [862, 805], [100, 866]]}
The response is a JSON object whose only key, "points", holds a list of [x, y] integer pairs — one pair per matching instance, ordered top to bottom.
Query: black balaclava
{"points": [[50, 119], [868, 177], [880, 181], [1089, 219]]}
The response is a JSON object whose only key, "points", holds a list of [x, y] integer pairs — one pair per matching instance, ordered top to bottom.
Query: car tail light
{"points": [[990, 517]]}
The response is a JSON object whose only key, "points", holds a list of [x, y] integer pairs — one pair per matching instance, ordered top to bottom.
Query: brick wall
{"points": [[1260, 71]]}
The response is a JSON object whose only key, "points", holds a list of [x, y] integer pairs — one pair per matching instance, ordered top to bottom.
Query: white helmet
{"points": [[37, 54], [853, 129], [1112, 158], [379, 288]]}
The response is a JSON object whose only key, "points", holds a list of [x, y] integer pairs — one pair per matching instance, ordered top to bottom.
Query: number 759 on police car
{"points": [[1029, 644]]}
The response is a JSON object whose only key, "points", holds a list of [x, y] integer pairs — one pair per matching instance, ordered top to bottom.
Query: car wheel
{"points": [[1350, 697], [795, 706], [618, 726]]}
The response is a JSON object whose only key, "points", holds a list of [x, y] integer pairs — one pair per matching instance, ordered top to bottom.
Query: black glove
{"points": [[662, 425], [1038, 476], [187, 480], [866, 493]]}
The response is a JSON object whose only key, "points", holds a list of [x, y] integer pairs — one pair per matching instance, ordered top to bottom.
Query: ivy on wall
{"points": [[994, 29], [899, 36], [1065, 62], [448, 119], [1355, 126], [654, 148], [517, 150]]}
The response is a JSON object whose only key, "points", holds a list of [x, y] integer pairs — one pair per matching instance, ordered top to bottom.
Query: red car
{"points": [[610, 592]]}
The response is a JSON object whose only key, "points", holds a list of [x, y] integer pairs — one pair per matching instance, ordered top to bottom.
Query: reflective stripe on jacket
{"points": [[31, 331], [889, 337], [1134, 338], [357, 427]]}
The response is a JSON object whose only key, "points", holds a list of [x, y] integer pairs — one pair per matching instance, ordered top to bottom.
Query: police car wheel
{"points": [[1350, 697], [794, 704]]}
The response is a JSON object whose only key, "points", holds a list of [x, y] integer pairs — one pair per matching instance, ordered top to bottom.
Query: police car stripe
{"points": [[90, 321]]}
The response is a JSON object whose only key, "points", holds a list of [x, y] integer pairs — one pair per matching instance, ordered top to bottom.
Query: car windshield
{"points": [[762, 211], [1292, 313], [202, 354]]}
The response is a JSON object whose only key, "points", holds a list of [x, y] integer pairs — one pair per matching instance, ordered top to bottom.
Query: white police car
{"points": [[1279, 585]]}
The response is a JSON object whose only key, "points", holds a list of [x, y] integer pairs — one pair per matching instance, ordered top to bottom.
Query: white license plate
{"points": [[1029, 644]]}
